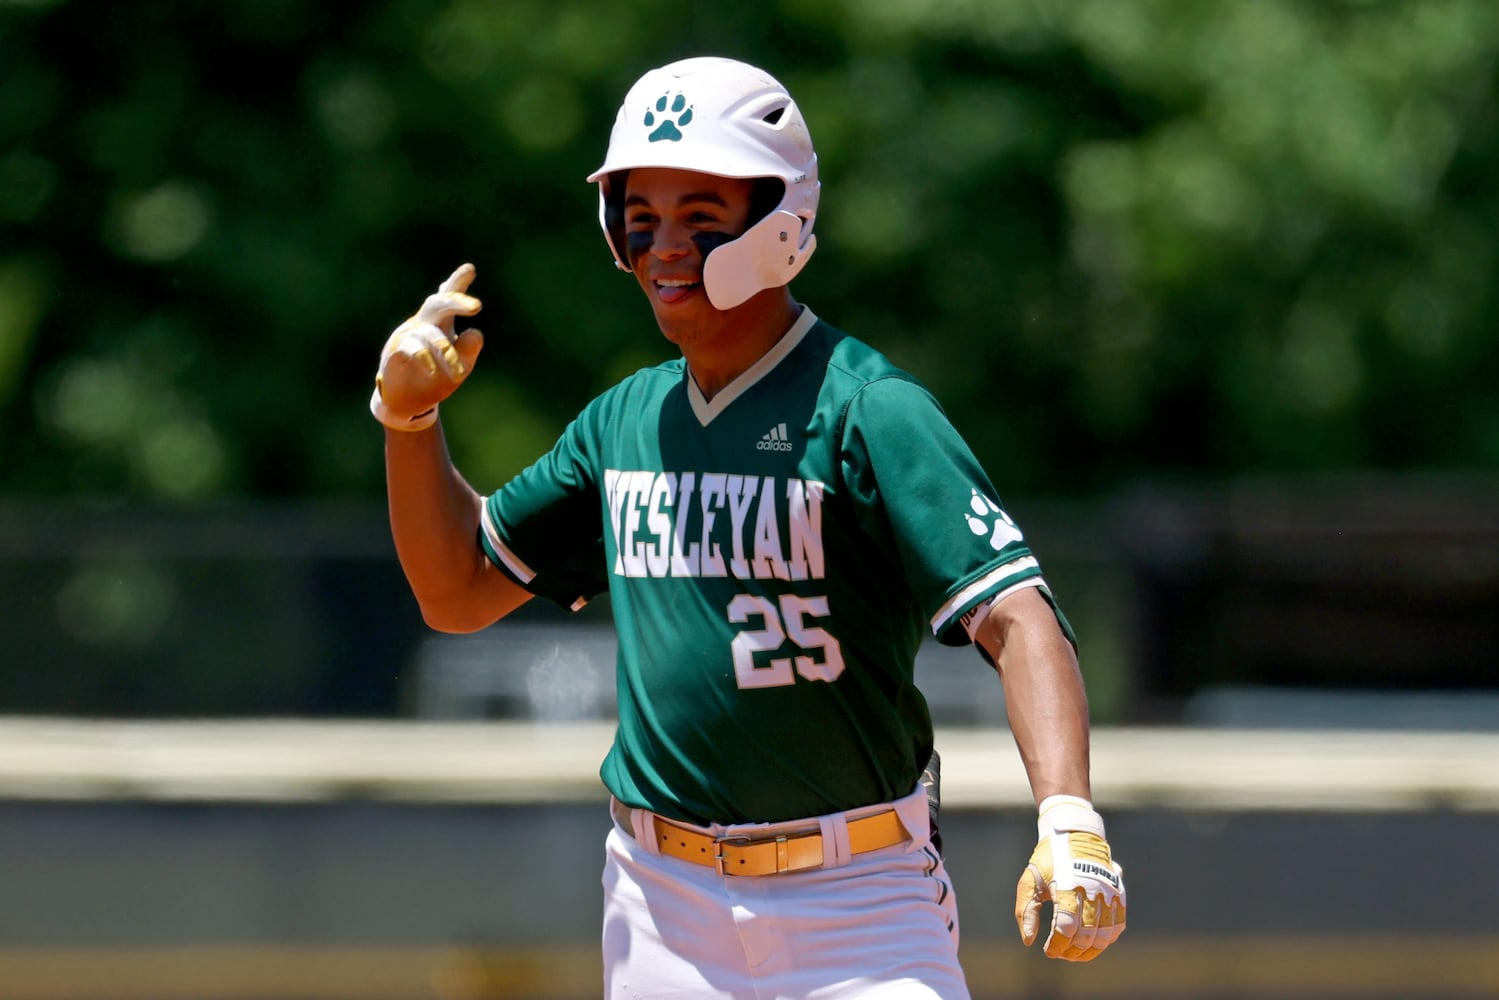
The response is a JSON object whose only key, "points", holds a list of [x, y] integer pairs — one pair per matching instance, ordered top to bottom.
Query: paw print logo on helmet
{"points": [[670, 128], [986, 518]]}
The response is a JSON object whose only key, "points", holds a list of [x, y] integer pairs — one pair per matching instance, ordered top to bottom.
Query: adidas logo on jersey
{"points": [[774, 439]]}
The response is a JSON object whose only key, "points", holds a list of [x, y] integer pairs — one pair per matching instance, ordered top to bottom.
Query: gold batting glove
{"points": [[423, 361], [1071, 867]]}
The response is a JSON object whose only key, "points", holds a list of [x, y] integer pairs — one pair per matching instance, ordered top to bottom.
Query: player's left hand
{"points": [[1074, 869]]}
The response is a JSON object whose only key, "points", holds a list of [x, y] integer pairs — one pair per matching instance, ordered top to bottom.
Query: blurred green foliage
{"points": [[1114, 236]]}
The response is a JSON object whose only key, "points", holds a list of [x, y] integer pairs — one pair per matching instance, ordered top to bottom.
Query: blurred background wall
{"points": [[1210, 288]]}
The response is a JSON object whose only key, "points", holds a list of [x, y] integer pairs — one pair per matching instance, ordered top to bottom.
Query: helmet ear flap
{"points": [[612, 215], [768, 255]]}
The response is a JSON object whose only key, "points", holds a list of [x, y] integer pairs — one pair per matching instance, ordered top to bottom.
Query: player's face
{"points": [[673, 219]]}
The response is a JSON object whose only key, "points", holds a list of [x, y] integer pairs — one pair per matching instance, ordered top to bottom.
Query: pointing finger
{"points": [[459, 280], [450, 300]]}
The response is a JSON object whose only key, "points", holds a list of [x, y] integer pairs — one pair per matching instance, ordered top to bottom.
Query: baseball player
{"points": [[777, 515]]}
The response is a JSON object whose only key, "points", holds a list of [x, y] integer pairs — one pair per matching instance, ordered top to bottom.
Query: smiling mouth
{"points": [[674, 289]]}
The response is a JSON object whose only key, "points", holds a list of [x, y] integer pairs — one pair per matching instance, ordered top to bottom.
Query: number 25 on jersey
{"points": [[818, 656]]}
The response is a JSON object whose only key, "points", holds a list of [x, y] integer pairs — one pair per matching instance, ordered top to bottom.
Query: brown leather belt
{"points": [[769, 855]]}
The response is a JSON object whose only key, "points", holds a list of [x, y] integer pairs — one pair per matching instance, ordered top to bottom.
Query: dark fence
{"points": [[1339, 585], [1179, 592]]}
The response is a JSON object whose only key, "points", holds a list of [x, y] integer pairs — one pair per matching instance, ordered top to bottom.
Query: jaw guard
{"points": [[768, 255]]}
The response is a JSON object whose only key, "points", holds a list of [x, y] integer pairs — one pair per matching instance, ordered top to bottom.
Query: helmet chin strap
{"points": [[768, 255]]}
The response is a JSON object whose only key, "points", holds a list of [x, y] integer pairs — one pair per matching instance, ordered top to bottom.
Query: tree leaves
{"points": [[1116, 238]]}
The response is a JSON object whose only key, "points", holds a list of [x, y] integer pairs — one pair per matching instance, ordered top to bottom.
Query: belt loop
{"points": [[641, 824], [835, 849]]}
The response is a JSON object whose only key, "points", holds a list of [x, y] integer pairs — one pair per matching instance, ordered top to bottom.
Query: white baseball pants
{"points": [[881, 924]]}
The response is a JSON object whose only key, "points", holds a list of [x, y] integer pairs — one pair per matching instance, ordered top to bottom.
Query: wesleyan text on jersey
{"points": [[682, 524]]}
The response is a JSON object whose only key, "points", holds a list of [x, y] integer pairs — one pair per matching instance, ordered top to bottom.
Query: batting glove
{"points": [[423, 362], [1072, 867]]}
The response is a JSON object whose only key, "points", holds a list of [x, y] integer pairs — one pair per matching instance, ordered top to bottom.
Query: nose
{"points": [[672, 242]]}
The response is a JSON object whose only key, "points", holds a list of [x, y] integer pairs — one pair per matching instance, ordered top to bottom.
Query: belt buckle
{"points": [[718, 842]]}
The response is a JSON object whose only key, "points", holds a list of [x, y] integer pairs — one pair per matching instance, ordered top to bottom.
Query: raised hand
{"points": [[423, 361]]}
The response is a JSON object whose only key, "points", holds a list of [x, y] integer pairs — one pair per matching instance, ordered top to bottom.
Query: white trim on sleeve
{"points": [[514, 563], [944, 614], [972, 622]]}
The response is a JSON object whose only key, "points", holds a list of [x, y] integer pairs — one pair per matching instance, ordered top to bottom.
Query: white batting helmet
{"points": [[727, 118]]}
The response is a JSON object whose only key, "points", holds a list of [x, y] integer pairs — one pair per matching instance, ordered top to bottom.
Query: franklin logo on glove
{"points": [[1085, 868]]}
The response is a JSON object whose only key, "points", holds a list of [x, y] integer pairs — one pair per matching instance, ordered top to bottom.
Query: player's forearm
{"points": [[434, 520], [1044, 695], [1048, 715]]}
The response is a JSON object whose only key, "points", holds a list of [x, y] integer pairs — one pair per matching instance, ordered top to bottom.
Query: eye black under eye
{"points": [[637, 244]]}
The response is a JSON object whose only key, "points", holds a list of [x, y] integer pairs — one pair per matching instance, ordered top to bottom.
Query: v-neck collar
{"points": [[706, 409]]}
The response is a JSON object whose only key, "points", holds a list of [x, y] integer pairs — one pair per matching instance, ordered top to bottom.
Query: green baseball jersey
{"points": [[772, 557]]}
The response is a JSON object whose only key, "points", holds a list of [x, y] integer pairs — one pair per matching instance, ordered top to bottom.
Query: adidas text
{"points": [[774, 440]]}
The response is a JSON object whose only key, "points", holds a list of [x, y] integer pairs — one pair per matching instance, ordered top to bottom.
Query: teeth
{"points": [[675, 283]]}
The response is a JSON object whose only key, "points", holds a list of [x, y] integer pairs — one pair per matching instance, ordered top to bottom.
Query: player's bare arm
{"points": [[434, 512], [434, 519], [1044, 695]]}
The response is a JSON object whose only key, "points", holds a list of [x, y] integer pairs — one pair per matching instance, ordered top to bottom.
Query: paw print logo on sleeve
{"points": [[670, 128], [987, 519]]}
